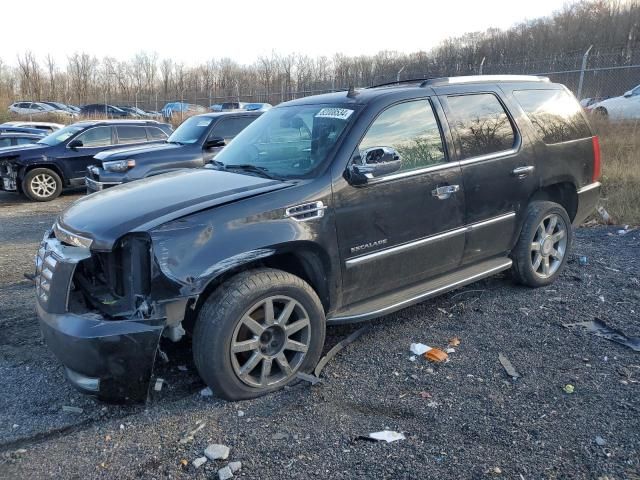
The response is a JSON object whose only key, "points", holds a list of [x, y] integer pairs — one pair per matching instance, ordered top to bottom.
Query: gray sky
{"points": [[196, 31]]}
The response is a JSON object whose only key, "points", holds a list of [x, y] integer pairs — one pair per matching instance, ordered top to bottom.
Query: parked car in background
{"points": [[62, 106], [229, 106], [216, 107], [257, 107], [624, 107], [37, 108], [172, 109], [103, 110], [135, 112], [46, 127], [11, 129], [10, 139], [194, 143], [60, 160], [305, 208]]}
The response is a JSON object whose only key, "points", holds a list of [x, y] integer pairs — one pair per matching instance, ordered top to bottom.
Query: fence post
{"points": [[585, 57], [481, 65]]}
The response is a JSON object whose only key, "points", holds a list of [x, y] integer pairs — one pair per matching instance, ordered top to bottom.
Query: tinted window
{"points": [[555, 114], [482, 125], [230, 127], [191, 130], [412, 130], [129, 134], [156, 134], [96, 137], [24, 141], [5, 142]]}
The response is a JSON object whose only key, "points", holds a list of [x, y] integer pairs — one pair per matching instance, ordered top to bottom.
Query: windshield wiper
{"points": [[249, 168]]}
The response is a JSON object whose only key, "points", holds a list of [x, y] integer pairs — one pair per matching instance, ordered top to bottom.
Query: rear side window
{"points": [[555, 115], [482, 124], [230, 127], [412, 130], [129, 134], [156, 134], [24, 141], [5, 142]]}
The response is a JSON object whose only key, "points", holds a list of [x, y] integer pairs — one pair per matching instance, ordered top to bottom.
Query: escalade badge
{"points": [[365, 246]]}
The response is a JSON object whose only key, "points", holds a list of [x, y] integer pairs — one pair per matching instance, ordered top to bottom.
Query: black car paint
{"points": [[160, 158], [69, 163], [215, 223]]}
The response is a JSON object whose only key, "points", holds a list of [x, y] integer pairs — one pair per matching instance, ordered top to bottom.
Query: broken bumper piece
{"points": [[112, 359]]}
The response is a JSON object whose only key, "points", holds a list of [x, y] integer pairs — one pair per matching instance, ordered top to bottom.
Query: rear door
{"points": [[94, 140], [498, 169], [397, 230]]}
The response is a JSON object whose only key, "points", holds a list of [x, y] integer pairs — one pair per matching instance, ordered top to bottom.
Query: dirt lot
{"points": [[463, 419]]}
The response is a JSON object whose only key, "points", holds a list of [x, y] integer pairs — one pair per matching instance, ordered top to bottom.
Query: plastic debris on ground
{"points": [[604, 215], [583, 260], [600, 329], [339, 346], [419, 348], [436, 355], [508, 366], [312, 379], [158, 386], [568, 388], [206, 392], [70, 409], [191, 434], [387, 436]]}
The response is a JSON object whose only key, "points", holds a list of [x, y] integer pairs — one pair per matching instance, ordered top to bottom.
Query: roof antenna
{"points": [[352, 92]]}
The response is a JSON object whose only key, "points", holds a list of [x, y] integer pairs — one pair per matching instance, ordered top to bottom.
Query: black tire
{"points": [[602, 112], [42, 177], [525, 256], [221, 320]]}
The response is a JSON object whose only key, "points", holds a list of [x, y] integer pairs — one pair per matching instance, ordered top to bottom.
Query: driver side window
{"points": [[411, 129], [96, 137]]}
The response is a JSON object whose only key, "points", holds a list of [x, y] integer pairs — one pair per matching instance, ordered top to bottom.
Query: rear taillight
{"points": [[596, 158]]}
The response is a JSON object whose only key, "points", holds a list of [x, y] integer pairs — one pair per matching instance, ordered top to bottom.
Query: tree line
{"points": [[546, 44]]}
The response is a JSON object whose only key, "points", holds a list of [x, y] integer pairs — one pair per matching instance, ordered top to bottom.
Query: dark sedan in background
{"points": [[192, 145], [60, 160]]}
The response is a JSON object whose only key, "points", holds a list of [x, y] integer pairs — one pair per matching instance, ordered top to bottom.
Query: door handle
{"points": [[522, 172], [442, 193]]}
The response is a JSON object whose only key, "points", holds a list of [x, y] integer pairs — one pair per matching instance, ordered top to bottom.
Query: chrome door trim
{"points": [[490, 156], [411, 173], [362, 259], [503, 266]]}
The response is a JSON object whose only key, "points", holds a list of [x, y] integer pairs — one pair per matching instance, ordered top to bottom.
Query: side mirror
{"points": [[628, 94], [215, 142], [75, 144], [373, 163]]}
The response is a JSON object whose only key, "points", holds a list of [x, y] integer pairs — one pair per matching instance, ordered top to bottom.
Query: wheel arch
{"points": [[51, 166], [562, 192]]}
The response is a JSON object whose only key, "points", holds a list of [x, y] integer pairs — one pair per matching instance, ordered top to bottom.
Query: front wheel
{"points": [[42, 185], [543, 246], [256, 332]]}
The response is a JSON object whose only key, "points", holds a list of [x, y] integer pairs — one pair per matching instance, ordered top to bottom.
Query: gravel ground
{"points": [[462, 419]]}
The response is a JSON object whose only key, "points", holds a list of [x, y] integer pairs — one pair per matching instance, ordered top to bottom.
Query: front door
{"points": [[77, 159], [405, 226]]}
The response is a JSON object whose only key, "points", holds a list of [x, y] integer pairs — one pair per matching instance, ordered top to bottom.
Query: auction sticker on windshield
{"points": [[339, 113]]}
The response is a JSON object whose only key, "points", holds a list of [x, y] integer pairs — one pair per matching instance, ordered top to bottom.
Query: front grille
{"points": [[55, 264]]}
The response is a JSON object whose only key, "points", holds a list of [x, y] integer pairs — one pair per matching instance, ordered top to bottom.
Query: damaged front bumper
{"points": [[110, 358]]}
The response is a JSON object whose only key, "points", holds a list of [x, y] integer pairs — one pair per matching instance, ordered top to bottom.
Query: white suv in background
{"points": [[625, 107], [36, 108]]}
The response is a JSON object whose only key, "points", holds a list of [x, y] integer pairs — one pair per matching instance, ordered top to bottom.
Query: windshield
{"points": [[191, 130], [59, 136], [288, 142]]}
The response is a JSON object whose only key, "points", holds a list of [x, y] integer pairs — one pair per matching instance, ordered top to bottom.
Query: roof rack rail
{"points": [[483, 78], [400, 82]]}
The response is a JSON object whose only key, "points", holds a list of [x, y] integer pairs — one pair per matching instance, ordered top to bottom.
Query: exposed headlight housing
{"points": [[119, 165], [70, 238]]}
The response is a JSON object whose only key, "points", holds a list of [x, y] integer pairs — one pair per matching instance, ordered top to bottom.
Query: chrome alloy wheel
{"points": [[43, 185], [549, 246], [270, 342]]}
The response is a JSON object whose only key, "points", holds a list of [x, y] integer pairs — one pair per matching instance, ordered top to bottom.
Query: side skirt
{"points": [[398, 300]]}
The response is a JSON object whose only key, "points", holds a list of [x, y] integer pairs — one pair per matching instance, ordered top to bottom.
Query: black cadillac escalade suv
{"points": [[328, 209]]}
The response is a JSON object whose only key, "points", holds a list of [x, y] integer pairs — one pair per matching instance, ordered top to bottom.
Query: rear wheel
{"points": [[602, 112], [42, 185], [543, 246], [256, 332]]}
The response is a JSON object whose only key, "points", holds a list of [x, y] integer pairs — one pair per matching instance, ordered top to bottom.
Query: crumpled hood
{"points": [[30, 149], [137, 151], [139, 206]]}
